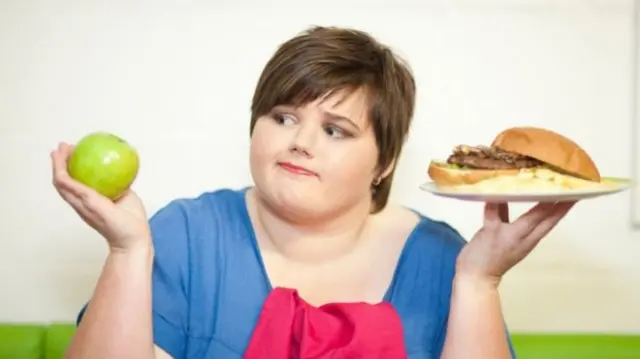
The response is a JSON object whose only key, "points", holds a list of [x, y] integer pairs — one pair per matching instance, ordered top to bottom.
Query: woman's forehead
{"points": [[349, 104]]}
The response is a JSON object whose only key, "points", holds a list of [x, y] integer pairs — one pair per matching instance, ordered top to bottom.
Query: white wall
{"points": [[177, 82]]}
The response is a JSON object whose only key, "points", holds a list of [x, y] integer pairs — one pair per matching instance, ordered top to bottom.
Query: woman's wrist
{"points": [[143, 247], [139, 256], [132, 265], [473, 283]]}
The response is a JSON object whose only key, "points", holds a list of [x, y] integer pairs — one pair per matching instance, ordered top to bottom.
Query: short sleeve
{"points": [[454, 242], [170, 280]]}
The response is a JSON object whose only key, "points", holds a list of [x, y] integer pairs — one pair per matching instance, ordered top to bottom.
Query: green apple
{"points": [[104, 162]]}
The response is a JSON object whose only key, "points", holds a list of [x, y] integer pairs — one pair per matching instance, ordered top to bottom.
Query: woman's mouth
{"points": [[290, 167]]}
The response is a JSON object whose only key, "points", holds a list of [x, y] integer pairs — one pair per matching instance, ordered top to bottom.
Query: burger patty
{"points": [[483, 157]]}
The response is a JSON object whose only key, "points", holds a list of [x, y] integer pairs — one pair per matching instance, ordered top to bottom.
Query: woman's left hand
{"points": [[499, 245]]}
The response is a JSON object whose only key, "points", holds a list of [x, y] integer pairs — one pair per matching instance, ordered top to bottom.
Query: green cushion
{"points": [[58, 338], [21, 341], [32, 341], [576, 346]]}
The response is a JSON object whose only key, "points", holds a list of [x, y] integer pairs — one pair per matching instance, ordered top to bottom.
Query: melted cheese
{"points": [[535, 181]]}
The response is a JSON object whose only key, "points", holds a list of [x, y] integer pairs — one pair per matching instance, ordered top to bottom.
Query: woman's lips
{"points": [[297, 169]]}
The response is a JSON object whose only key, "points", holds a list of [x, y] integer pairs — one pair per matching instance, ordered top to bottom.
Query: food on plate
{"points": [[519, 159]]}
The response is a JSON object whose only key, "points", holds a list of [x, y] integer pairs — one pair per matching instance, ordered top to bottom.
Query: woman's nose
{"points": [[304, 140]]}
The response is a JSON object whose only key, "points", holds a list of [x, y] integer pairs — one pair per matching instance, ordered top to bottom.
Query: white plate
{"points": [[547, 196]]}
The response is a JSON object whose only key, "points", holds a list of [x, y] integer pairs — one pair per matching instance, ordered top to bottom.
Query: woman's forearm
{"points": [[117, 322], [476, 326]]}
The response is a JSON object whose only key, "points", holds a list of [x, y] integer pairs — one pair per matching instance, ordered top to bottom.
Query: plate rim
{"points": [[624, 183]]}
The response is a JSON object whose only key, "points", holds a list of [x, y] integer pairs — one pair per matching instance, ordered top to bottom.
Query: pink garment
{"points": [[290, 328]]}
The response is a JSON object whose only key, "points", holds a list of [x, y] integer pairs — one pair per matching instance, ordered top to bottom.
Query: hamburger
{"points": [[519, 159]]}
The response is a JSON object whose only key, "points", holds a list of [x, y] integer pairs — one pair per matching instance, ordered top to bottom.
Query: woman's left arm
{"points": [[476, 326]]}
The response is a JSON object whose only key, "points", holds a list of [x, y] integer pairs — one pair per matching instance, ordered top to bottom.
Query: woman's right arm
{"points": [[139, 299], [117, 323]]}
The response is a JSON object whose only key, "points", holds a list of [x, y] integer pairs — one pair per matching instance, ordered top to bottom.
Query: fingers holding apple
{"points": [[60, 177], [95, 177]]}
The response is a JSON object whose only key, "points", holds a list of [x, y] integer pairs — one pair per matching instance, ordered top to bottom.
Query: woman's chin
{"points": [[297, 205], [303, 205]]}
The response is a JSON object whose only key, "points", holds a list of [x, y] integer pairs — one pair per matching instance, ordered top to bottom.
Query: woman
{"points": [[311, 261]]}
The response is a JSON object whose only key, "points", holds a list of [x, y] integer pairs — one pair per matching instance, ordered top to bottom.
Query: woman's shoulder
{"points": [[219, 201], [198, 220], [431, 232], [427, 235], [431, 247]]}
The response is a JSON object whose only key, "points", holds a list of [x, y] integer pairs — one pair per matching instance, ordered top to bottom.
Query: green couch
{"points": [[31, 341], [34, 341], [576, 346]]}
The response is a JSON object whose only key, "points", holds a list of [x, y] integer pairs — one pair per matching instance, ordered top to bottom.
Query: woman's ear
{"points": [[387, 171]]}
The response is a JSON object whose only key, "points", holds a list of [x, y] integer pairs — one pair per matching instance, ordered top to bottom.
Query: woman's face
{"points": [[317, 160]]}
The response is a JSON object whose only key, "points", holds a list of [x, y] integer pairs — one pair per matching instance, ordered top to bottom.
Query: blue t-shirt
{"points": [[209, 281]]}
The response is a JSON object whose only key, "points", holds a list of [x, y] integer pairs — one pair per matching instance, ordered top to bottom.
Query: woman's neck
{"points": [[311, 242]]}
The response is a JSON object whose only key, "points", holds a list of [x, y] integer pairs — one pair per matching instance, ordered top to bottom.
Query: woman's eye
{"points": [[285, 120], [335, 132]]}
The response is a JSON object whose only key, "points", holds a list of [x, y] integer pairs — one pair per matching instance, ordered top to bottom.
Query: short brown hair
{"points": [[321, 60]]}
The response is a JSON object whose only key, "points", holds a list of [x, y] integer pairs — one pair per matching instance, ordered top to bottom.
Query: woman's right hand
{"points": [[123, 223]]}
